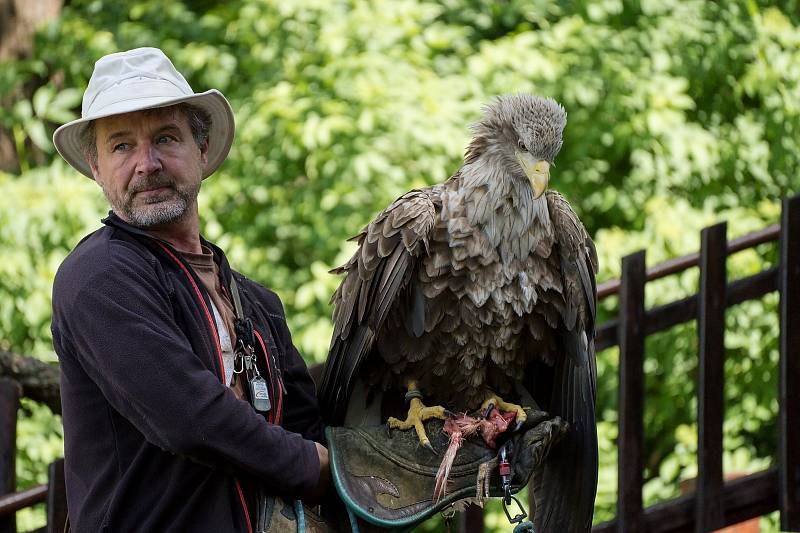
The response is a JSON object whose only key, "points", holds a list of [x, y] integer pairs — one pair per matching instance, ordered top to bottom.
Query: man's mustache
{"points": [[153, 181]]}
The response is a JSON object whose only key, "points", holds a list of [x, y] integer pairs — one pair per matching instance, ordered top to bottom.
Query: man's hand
{"points": [[316, 495]]}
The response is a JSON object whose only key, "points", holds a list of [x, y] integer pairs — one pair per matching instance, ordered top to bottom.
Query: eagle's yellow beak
{"points": [[538, 172]]}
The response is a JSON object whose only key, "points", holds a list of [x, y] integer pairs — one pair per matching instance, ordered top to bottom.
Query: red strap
{"points": [[219, 358]]}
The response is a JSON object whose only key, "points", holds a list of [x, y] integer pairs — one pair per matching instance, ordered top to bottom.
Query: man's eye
{"points": [[163, 139], [121, 147]]}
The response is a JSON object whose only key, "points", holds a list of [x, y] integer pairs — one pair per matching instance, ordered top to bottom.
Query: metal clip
{"points": [[238, 363], [506, 472], [517, 518]]}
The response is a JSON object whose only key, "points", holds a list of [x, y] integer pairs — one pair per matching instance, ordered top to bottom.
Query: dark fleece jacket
{"points": [[153, 440]]}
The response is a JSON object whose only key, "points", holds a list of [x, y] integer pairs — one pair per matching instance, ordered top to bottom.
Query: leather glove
{"points": [[532, 444]]}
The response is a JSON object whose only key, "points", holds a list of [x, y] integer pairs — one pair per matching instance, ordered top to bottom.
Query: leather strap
{"points": [[237, 300]]}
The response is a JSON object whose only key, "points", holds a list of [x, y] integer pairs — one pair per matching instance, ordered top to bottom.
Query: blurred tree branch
{"points": [[39, 380]]}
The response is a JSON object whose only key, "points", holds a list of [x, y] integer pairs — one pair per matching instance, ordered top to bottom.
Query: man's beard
{"points": [[155, 211]]}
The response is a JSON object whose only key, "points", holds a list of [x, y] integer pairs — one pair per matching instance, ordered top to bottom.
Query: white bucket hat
{"points": [[143, 78]]}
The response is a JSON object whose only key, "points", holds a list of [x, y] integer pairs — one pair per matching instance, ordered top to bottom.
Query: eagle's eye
{"points": [[521, 145]]}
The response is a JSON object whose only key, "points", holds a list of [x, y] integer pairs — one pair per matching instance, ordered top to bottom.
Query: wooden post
{"points": [[10, 392], [789, 392], [630, 442], [56, 497], [709, 509], [471, 520]]}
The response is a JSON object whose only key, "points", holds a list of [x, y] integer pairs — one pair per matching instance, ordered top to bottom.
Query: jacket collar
{"points": [[113, 220]]}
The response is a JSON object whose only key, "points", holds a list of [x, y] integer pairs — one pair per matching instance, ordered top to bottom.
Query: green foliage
{"points": [[681, 113], [41, 214]]}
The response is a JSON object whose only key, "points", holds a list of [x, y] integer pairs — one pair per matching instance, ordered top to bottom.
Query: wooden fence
{"points": [[52, 494], [715, 503]]}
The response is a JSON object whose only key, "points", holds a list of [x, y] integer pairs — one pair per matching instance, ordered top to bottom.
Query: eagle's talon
{"points": [[495, 402], [488, 410], [417, 414], [428, 446]]}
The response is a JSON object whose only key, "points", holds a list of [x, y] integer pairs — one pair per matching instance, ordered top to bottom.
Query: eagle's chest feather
{"points": [[497, 258], [487, 289]]}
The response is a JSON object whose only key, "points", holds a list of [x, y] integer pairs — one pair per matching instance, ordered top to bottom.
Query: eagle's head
{"points": [[522, 133]]}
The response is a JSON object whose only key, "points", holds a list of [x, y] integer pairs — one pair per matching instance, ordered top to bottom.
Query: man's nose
{"points": [[148, 160]]}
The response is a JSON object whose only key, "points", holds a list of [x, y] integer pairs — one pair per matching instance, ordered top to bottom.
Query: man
{"points": [[159, 361]]}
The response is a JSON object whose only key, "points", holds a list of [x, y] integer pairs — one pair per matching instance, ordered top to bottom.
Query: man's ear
{"points": [[204, 152], [93, 166]]}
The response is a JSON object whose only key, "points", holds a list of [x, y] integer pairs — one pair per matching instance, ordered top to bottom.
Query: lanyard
{"points": [[244, 355]]}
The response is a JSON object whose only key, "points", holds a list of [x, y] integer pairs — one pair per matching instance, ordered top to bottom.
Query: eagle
{"points": [[478, 291]]}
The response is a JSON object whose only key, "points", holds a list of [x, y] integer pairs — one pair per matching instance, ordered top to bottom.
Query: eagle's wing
{"points": [[389, 248], [566, 485]]}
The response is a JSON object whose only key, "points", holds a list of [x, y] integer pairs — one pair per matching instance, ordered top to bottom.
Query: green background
{"points": [[682, 113]]}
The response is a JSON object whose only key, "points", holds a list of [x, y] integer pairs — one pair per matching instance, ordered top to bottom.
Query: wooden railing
{"points": [[52, 494], [715, 503]]}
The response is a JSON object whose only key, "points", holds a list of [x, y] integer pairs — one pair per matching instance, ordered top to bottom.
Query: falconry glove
{"points": [[388, 480]]}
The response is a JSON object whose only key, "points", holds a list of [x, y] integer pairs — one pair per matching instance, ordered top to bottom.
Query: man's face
{"points": [[149, 165]]}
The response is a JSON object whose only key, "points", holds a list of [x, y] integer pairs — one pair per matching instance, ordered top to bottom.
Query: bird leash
{"points": [[509, 500]]}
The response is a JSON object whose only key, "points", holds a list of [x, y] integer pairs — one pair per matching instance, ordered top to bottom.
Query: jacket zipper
{"points": [[219, 360]]}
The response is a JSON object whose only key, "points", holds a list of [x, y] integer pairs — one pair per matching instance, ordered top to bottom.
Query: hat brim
{"points": [[220, 137]]}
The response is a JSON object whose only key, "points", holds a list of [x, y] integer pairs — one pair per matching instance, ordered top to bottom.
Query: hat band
{"points": [[129, 91]]}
